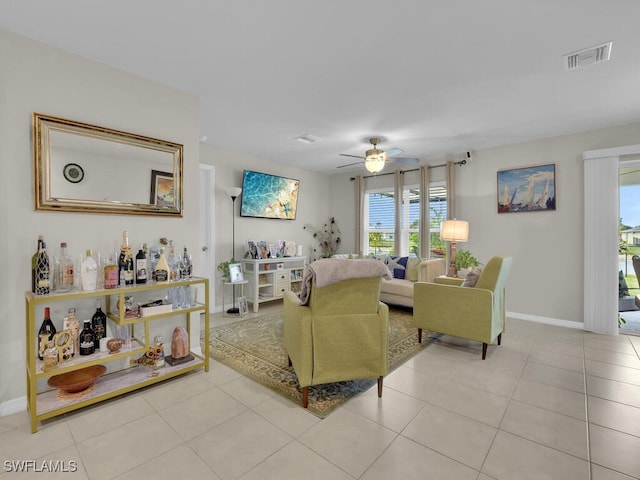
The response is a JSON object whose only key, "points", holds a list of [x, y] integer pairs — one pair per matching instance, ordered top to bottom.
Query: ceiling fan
{"points": [[375, 158]]}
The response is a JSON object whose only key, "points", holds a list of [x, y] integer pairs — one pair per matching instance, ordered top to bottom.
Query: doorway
{"points": [[206, 226], [629, 247]]}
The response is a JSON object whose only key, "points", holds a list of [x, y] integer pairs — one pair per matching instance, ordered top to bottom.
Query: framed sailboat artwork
{"points": [[528, 189]]}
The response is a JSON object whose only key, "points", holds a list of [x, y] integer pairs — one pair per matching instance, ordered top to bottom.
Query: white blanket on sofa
{"points": [[326, 271]]}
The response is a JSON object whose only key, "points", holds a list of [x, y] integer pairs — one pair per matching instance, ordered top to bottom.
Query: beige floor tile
{"points": [[590, 337], [605, 343], [447, 347], [571, 347], [608, 356], [503, 360], [558, 360], [433, 365], [613, 372], [220, 374], [476, 375], [554, 376], [414, 383], [176, 390], [612, 390], [247, 391], [556, 399], [476, 404], [394, 410], [202, 412], [286, 415], [614, 415], [101, 418], [14, 420], [554, 430], [460, 438], [349, 441], [20, 443], [238, 445], [121, 449], [615, 450], [512, 457], [408, 460], [295, 461], [179, 463], [62, 464], [601, 473]]}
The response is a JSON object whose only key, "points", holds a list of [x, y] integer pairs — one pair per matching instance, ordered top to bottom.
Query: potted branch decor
{"points": [[328, 237]]}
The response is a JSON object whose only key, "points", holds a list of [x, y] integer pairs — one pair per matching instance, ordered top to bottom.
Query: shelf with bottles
{"points": [[123, 371]]}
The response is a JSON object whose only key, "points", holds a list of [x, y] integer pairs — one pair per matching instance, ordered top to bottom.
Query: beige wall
{"points": [[42, 79], [546, 280]]}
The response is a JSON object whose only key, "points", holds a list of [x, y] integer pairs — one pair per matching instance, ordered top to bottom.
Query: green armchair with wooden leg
{"points": [[476, 313], [342, 334]]}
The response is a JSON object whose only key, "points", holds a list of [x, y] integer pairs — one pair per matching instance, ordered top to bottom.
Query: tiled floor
{"points": [[550, 403]]}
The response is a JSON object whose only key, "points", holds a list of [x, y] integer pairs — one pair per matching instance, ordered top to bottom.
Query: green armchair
{"points": [[475, 313], [342, 334]]}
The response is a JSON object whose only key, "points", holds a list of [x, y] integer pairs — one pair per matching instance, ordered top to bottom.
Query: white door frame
{"points": [[207, 228]]}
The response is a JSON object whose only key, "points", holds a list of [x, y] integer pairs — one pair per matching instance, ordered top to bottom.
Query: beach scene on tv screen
{"points": [[269, 196]]}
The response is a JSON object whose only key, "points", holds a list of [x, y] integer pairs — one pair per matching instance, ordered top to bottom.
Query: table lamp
{"points": [[454, 231]]}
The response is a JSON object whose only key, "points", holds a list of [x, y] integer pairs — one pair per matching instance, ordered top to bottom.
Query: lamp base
{"points": [[452, 272], [233, 310]]}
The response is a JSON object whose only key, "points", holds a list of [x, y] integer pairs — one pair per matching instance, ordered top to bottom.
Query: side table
{"points": [[235, 305]]}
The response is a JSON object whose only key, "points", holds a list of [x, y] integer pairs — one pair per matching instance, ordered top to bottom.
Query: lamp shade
{"points": [[374, 160], [234, 191], [454, 230]]}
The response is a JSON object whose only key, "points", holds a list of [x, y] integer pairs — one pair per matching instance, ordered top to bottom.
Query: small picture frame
{"points": [[273, 251], [235, 273], [243, 308]]}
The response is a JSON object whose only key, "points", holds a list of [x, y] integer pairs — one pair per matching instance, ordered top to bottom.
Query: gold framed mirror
{"points": [[80, 167]]}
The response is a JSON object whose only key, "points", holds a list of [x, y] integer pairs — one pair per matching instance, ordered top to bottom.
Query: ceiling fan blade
{"points": [[392, 152], [347, 155], [403, 160], [349, 164]]}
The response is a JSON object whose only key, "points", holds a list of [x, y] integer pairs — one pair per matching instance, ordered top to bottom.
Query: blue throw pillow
{"points": [[398, 265]]}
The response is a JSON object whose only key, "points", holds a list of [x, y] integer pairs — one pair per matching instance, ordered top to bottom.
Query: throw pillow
{"points": [[398, 266], [412, 269], [472, 277]]}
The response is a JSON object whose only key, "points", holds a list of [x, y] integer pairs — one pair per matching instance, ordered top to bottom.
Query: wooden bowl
{"points": [[78, 380]]}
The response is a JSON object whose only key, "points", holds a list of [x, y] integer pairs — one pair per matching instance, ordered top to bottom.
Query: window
{"points": [[379, 205]]}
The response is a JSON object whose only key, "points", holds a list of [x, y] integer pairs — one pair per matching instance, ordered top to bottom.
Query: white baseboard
{"points": [[546, 320], [13, 406]]}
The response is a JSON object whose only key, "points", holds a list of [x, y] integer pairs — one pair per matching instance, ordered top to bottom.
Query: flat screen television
{"points": [[269, 196]]}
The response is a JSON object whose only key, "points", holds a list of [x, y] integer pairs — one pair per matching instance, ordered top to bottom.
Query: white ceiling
{"points": [[431, 77]]}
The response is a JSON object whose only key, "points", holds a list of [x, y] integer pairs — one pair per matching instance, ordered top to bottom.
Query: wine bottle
{"points": [[125, 261], [174, 262], [34, 263], [187, 264], [141, 267], [65, 272], [89, 272], [162, 272], [43, 282], [99, 323], [73, 327], [47, 328], [87, 339], [160, 346]]}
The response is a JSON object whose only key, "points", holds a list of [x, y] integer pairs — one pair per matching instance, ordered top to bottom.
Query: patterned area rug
{"points": [[255, 348]]}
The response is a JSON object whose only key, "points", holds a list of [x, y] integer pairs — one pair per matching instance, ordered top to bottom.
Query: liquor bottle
{"points": [[125, 261], [174, 262], [34, 263], [187, 264], [141, 267], [89, 272], [161, 273], [111, 274], [65, 276], [43, 282], [99, 323], [73, 327], [47, 328], [87, 339], [159, 346]]}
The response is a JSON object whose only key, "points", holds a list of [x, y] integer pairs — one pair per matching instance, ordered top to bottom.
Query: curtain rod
{"points": [[461, 162]]}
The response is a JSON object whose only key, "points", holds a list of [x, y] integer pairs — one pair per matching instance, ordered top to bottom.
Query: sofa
{"points": [[406, 272]]}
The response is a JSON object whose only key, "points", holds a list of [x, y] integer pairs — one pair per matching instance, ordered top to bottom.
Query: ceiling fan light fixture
{"points": [[374, 160]]}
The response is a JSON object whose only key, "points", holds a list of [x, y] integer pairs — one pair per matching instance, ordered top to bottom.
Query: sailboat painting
{"points": [[529, 189]]}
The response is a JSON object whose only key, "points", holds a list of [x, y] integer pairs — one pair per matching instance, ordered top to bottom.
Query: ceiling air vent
{"points": [[588, 56], [308, 138]]}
